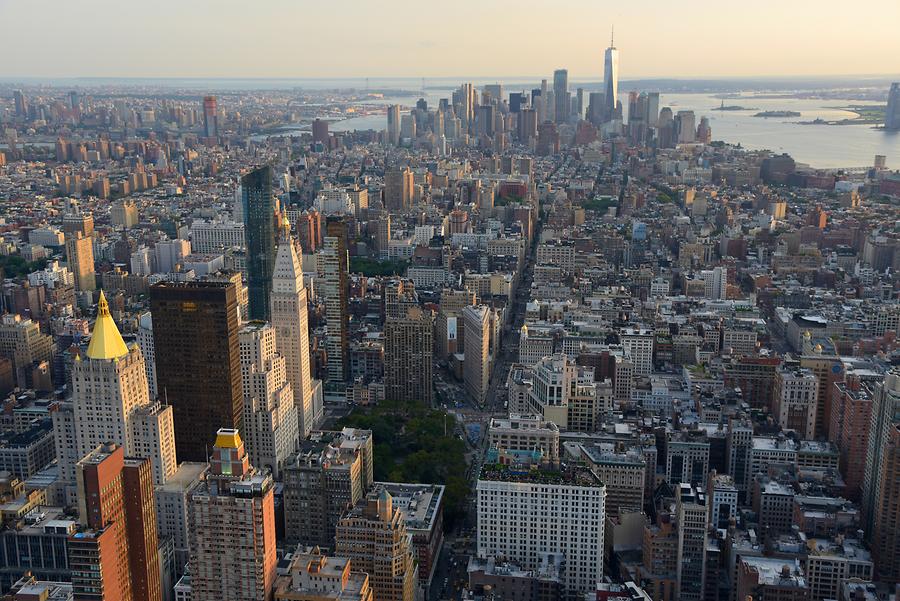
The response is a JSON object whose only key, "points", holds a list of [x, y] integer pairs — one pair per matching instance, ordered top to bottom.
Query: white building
{"points": [[214, 236], [638, 345], [795, 401], [524, 514]]}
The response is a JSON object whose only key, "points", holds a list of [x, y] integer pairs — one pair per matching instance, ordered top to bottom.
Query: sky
{"points": [[426, 38]]}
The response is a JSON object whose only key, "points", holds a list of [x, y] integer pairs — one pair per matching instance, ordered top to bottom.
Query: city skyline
{"points": [[712, 41]]}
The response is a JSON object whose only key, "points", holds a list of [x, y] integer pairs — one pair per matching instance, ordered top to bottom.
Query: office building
{"points": [[610, 81], [561, 95], [892, 112], [210, 118], [393, 124], [685, 127], [320, 132], [399, 188], [259, 230], [80, 260], [333, 263], [289, 318], [476, 320], [23, 343], [638, 345], [408, 352], [198, 367], [796, 401], [112, 404], [270, 416], [525, 433], [621, 471], [328, 476], [881, 484], [172, 500], [422, 506], [524, 514], [691, 516], [232, 527], [375, 538], [38, 545], [114, 553]]}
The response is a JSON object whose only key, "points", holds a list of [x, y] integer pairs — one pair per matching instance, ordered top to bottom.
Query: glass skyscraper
{"points": [[259, 231]]}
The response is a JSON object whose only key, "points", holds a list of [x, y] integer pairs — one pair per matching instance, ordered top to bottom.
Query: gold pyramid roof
{"points": [[106, 341]]}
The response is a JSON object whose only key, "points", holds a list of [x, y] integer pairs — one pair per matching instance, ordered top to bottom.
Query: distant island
{"points": [[734, 107], [777, 114], [867, 114]]}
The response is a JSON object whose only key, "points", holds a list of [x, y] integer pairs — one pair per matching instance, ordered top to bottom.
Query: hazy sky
{"points": [[476, 38]]}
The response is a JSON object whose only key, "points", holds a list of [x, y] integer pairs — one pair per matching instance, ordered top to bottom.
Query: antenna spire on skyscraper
{"points": [[612, 36]]}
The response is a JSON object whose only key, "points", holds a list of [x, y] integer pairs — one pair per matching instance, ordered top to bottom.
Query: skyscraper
{"points": [[611, 79], [561, 95], [21, 103], [892, 113], [210, 118], [393, 124], [398, 189], [259, 232], [80, 257], [333, 266], [289, 317], [408, 350], [476, 366], [198, 368], [112, 404], [270, 416], [877, 488], [232, 527], [375, 537], [114, 555]]}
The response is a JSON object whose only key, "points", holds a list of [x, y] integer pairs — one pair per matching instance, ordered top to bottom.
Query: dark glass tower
{"points": [[259, 232], [198, 363]]}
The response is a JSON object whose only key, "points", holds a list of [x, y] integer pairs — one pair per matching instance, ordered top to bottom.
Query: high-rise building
{"points": [[610, 80], [561, 95], [21, 103], [892, 113], [210, 117], [393, 124], [527, 125], [685, 127], [320, 132], [398, 189], [124, 214], [259, 231], [80, 257], [333, 267], [289, 317], [476, 321], [23, 343], [408, 351], [198, 367], [796, 399], [112, 404], [851, 415], [270, 416], [324, 480], [878, 492], [524, 514], [691, 516], [232, 527], [374, 536], [115, 554]]}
